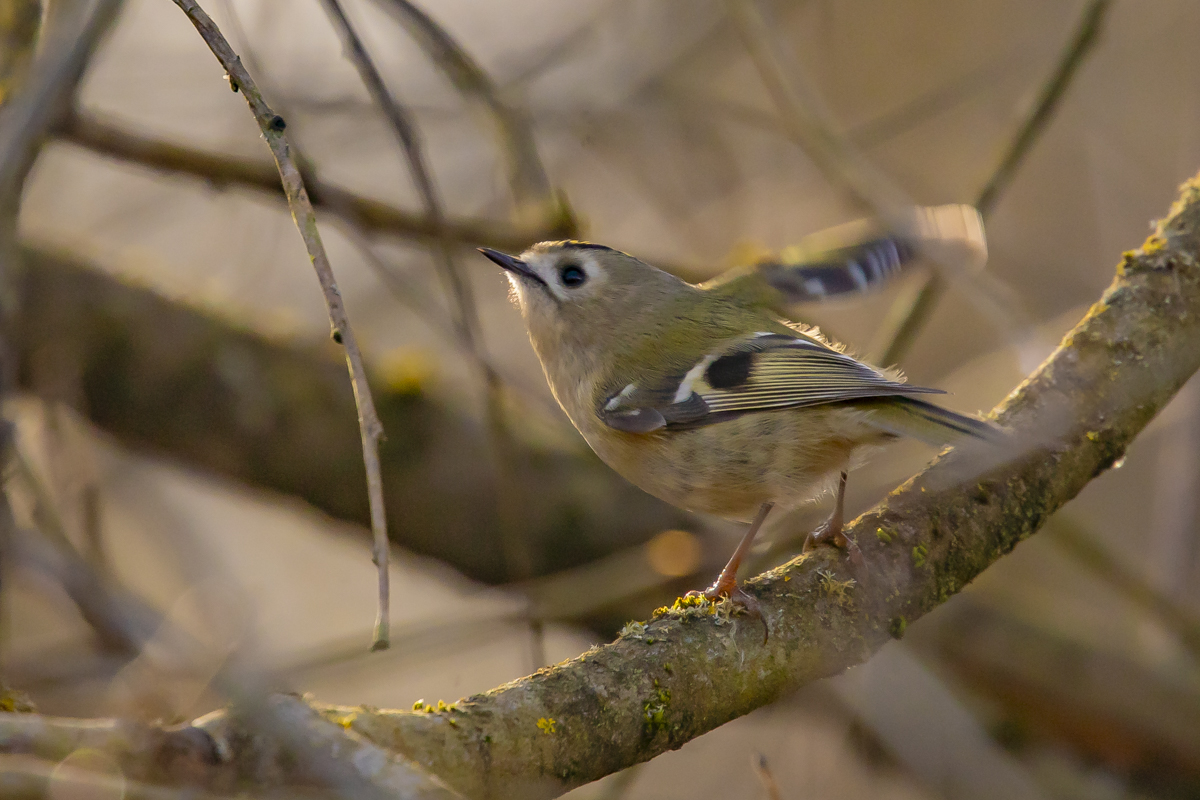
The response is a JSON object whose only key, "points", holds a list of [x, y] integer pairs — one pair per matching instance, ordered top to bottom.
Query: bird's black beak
{"points": [[512, 264]]}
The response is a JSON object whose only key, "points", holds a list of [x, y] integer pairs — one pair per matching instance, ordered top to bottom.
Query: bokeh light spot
{"points": [[673, 553]]}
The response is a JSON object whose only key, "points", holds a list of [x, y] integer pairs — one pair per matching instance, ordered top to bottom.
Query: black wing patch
{"points": [[731, 371], [761, 373]]}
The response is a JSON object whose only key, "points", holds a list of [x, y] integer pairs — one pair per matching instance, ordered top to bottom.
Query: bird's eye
{"points": [[572, 276]]}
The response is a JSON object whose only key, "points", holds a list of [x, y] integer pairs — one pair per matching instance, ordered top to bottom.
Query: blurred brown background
{"points": [[198, 444]]}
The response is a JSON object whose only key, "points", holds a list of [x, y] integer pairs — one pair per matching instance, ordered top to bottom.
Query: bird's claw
{"points": [[829, 536], [739, 597]]}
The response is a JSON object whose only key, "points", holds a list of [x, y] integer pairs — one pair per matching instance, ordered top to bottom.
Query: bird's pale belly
{"points": [[731, 468]]}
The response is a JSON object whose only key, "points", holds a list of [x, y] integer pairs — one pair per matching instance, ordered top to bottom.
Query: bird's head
{"points": [[577, 293]]}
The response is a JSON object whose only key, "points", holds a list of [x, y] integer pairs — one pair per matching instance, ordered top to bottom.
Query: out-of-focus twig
{"points": [[19, 25], [68, 39], [565, 47], [33, 99], [805, 120], [811, 126], [405, 129], [221, 170], [527, 174], [906, 317], [371, 429], [1071, 537], [120, 627], [1106, 703], [295, 733], [762, 770], [25, 776]]}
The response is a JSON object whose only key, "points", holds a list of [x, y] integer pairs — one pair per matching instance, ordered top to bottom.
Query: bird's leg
{"points": [[830, 532], [726, 583]]}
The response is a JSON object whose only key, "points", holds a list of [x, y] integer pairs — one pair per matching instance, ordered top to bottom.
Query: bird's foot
{"points": [[830, 534], [739, 598]]}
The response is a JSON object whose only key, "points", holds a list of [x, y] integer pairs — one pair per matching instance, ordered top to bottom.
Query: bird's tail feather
{"points": [[926, 422]]}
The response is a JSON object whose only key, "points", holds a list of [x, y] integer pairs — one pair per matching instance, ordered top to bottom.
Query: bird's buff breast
{"points": [[730, 468]]}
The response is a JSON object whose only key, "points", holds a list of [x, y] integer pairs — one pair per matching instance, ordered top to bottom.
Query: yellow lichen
{"points": [[831, 586], [632, 629], [547, 725]]}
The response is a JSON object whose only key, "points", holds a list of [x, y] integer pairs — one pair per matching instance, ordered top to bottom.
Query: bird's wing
{"points": [[863, 255], [758, 373]]}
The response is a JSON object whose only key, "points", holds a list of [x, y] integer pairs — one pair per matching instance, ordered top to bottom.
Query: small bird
{"points": [[706, 396]]}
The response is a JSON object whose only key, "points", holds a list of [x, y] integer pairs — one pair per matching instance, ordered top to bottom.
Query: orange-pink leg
{"points": [[830, 532]]}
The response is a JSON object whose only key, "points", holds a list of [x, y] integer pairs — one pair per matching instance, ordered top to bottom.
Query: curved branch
{"points": [[370, 427], [689, 671]]}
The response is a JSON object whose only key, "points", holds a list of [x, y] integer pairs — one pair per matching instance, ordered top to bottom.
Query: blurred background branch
{"points": [[373, 216], [908, 314]]}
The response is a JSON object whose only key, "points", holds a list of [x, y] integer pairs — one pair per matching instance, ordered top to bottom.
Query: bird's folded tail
{"points": [[926, 422]]}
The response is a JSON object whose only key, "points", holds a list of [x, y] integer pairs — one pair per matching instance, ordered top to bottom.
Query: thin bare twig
{"points": [[68, 41], [469, 78], [38, 96], [805, 120], [810, 125], [527, 175], [906, 317], [467, 318], [371, 429], [123, 629]]}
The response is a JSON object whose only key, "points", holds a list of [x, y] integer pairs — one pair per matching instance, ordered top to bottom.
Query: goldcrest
{"points": [[705, 396]]}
